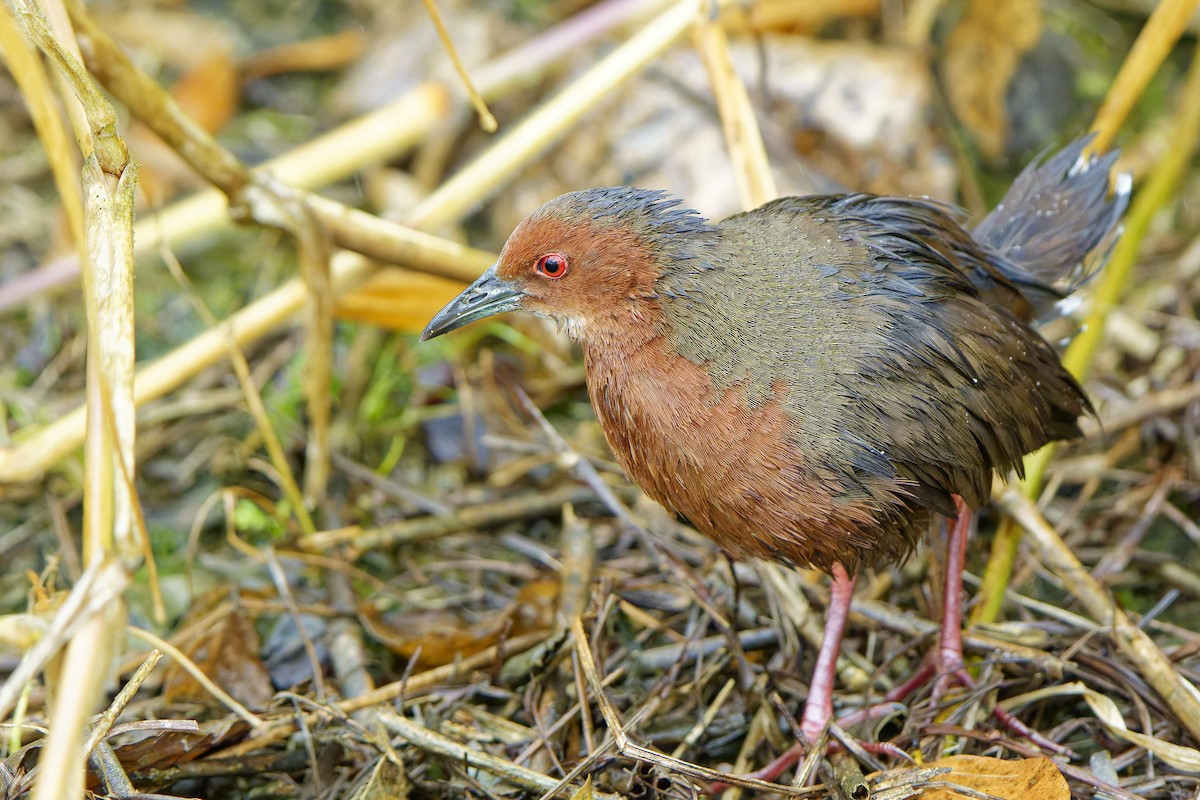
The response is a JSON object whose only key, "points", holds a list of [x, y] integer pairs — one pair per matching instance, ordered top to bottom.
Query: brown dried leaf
{"points": [[322, 54], [981, 57], [209, 92], [442, 637], [229, 654], [172, 748], [1021, 779], [387, 781]]}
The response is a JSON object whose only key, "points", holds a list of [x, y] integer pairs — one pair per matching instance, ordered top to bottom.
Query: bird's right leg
{"points": [[818, 708]]}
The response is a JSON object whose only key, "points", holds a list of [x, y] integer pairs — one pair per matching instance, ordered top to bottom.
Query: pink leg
{"points": [[950, 641], [950, 664], [818, 709]]}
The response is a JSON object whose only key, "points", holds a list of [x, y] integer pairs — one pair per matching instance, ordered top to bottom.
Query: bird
{"points": [[817, 381]]}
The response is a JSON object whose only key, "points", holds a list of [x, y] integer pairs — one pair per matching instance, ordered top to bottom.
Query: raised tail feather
{"points": [[1056, 224]]}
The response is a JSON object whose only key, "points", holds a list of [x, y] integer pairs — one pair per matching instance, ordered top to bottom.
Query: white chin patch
{"points": [[575, 328]]}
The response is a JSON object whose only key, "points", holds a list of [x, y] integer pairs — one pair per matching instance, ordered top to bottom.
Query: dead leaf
{"points": [[322, 54], [981, 57], [209, 91], [397, 299], [442, 636], [229, 654], [161, 751], [1020, 779], [388, 781], [585, 792]]}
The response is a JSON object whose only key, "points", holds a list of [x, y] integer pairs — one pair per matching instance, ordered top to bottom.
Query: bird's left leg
{"points": [[948, 659], [948, 663]]}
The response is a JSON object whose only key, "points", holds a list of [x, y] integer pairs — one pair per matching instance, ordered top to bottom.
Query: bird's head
{"points": [[584, 259]]}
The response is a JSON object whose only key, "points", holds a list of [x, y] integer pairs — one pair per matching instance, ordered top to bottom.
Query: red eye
{"points": [[552, 265]]}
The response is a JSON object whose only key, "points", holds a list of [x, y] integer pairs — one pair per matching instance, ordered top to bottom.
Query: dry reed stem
{"points": [[41, 18], [1167, 23], [30, 76], [747, 153], [1158, 189], [419, 529], [109, 530], [1133, 642], [80, 681], [103, 725], [433, 742]]}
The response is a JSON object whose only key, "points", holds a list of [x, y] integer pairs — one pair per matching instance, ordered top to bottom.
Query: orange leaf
{"points": [[322, 54], [209, 91], [398, 299], [441, 636], [1022, 779]]}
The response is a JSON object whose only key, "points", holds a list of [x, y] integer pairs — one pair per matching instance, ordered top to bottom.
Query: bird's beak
{"points": [[488, 295]]}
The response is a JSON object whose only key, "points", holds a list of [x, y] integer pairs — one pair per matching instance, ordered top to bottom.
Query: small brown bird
{"points": [[813, 381]]}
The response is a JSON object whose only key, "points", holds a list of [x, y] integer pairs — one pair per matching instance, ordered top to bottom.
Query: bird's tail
{"points": [[1057, 224]]}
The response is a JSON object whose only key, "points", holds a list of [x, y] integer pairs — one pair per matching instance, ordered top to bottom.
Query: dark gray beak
{"points": [[487, 296]]}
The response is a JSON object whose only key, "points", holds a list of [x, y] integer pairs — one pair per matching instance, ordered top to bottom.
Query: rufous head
{"points": [[584, 259]]}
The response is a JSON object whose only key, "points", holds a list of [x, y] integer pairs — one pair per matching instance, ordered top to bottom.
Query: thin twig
{"points": [[100, 728]]}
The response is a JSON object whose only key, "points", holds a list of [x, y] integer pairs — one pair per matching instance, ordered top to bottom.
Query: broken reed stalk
{"points": [[747, 153], [110, 535]]}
